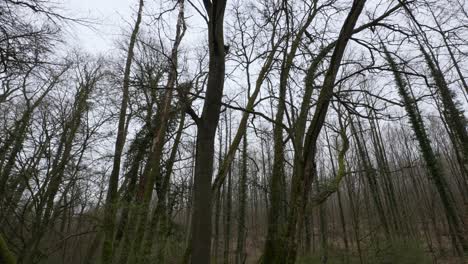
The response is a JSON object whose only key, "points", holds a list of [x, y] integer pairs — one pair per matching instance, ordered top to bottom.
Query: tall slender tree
{"points": [[206, 125], [434, 166], [112, 195]]}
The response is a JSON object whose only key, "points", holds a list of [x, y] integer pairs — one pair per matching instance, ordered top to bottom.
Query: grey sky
{"points": [[109, 17]]}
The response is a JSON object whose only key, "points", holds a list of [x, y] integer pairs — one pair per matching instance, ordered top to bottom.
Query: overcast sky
{"points": [[109, 17]]}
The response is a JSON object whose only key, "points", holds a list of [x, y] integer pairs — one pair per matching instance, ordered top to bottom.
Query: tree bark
{"points": [[207, 124], [433, 165], [301, 181], [112, 195]]}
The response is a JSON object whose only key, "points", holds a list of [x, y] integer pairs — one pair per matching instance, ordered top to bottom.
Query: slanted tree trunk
{"points": [[449, 49], [455, 119], [138, 149], [433, 165], [152, 172], [384, 172], [371, 177], [301, 181], [12, 189], [112, 195], [45, 212], [161, 216], [275, 250]]}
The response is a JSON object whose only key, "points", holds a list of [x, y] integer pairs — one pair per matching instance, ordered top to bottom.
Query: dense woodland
{"points": [[271, 131]]}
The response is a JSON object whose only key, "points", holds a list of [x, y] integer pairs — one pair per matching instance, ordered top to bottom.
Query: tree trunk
{"points": [[207, 124], [433, 165], [301, 181], [112, 195], [241, 225]]}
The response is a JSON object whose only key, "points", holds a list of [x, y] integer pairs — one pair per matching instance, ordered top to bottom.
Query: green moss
{"points": [[6, 256]]}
